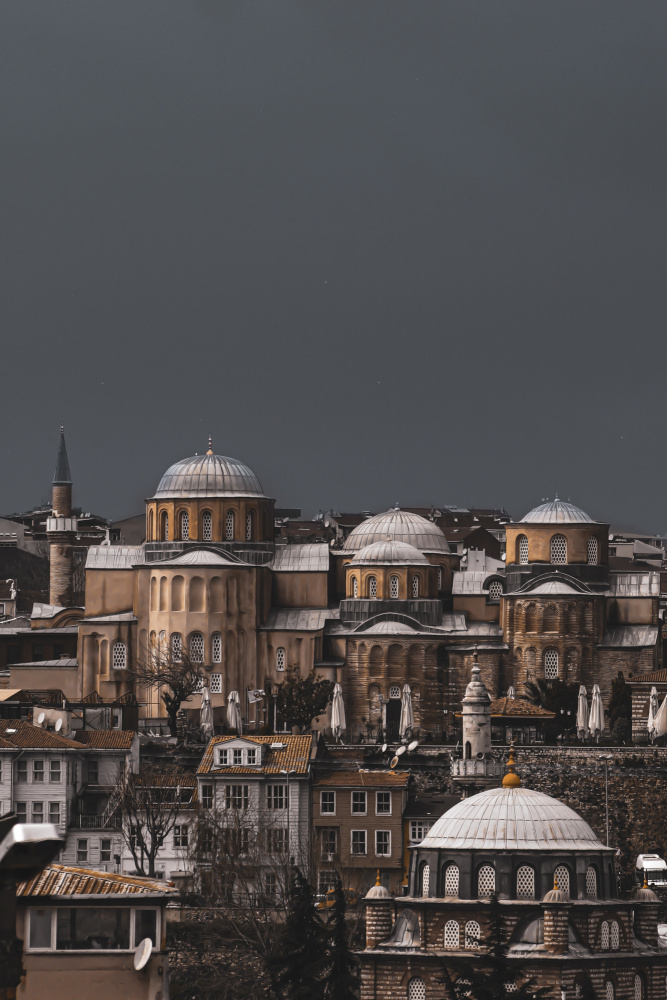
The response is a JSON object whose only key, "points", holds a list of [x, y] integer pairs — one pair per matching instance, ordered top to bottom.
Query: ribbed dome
{"points": [[208, 476], [557, 512], [401, 526], [389, 552], [506, 819]]}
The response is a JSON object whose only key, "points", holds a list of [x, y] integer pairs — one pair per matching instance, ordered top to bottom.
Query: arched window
{"points": [[185, 525], [229, 525], [249, 525], [150, 526], [164, 526], [207, 526], [558, 549], [522, 550], [592, 551], [439, 577], [415, 586], [355, 587], [372, 587], [393, 587], [495, 590], [162, 643], [176, 647], [196, 647], [216, 647], [119, 656], [280, 658], [550, 664], [216, 683], [394, 691], [562, 879], [425, 880], [452, 881], [486, 881], [525, 882], [591, 883], [452, 934], [473, 934], [604, 936], [614, 936], [639, 988], [416, 989], [609, 990]]}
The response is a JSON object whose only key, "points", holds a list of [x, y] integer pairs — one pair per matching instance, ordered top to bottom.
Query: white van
{"points": [[654, 867]]}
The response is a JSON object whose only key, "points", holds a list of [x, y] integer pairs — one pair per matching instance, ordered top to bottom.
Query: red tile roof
{"points": [[655, 677], [519, 708], [24, 734], [106, 739], [294, 755], [365, 779], [64, 880]]}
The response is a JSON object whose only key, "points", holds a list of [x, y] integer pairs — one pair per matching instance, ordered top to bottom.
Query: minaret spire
{"points": [[210, 445], [62, 474]]}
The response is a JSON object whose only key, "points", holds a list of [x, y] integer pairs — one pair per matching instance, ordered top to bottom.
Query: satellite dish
{"points": [[40, 719], [59, 725], [413, 746], [384, 748], [399, 751], [394, 762], [143, 953]]}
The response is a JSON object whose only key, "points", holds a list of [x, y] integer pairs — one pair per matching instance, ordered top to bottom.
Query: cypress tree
{"points": [[299, 960], [342, 978]]}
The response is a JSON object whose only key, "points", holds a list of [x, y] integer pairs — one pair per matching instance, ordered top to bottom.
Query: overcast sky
{"points": [[384, 252]]}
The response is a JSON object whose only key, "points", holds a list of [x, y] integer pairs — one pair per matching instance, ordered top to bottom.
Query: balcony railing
{"points": [[83, 821]]}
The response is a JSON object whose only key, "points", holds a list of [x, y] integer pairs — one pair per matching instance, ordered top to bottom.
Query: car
{"points": [[326, 900]]}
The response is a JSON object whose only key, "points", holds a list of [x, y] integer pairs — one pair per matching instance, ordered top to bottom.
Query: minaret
{"points": [[61, 530], [476, 769]]}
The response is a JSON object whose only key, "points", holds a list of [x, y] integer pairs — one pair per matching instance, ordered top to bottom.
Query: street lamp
{"points": [[606, 758]]}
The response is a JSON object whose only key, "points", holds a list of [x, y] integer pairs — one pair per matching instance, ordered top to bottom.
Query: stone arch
{"points": [[149, 533], [178, 594], [217, 594], [197, 596], [153, 600], [164, 606], [532, 618], [550, 620], [376, 659], [396, 659], [374, 704]]}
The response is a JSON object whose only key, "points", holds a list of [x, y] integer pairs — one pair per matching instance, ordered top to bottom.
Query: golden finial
{"points": [[210, 445], [511, 779], [377, 878], [555, 882], [645, 885]]}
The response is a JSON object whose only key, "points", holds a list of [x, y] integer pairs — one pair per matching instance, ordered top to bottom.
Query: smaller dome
{"points": [[557, 512], [401, 525], [389, 553], [378, 891], [556, 895], [645, 895]]}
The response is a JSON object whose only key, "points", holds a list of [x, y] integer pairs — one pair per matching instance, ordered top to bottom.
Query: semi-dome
{"points": [[208, 476], [557, 512], [401, 526], [389, 553], [506, 819]]}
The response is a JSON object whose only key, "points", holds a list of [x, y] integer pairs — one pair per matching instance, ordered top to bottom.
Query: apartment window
{"points": [[207, 526], [229, 526], [558, 549], [592, 551], [415, 586], [372, 587], [393, 587], [177, 647], [197, 647], [216, 647], [37, 651], [119, 656], [280, 659], [550, 664], [216, 683], [223, 757], [237, 757], [21, 770], [38, 770], [54, 771], [92, 772], [207, 796], [236, 796], [276, 796], [328, 803], [359, 803], [383, 803], [22, 811], [38, 812], [54, 813], [418, 829], [181, 835], [276, 840], [359, 842], [383, 843], [328, 845], [82, 850], [105, 850], [326, 881], [271, 885]]}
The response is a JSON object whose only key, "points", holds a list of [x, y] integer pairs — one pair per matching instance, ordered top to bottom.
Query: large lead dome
{"points": [[208, 476], [399, 526]]}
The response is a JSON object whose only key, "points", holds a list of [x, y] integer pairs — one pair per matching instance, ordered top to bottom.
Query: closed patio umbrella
{"points": [[652, 710], [206, 711], [234, 711], [337, 712], [582, 713], [407, 715], [596, 717], [660, 721]]}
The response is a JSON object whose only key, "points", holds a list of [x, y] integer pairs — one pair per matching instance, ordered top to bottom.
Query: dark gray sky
{"points": [[385, 252]]}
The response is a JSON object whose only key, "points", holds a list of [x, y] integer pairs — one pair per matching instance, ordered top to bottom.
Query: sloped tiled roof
{"points": [[655, 677], [519, 708], [24, 734], [106, 739], [294, 755], [366, 779], [64, 880]]}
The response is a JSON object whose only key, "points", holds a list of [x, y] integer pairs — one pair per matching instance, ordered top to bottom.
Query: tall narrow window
{"points": [[185, 525], [229, 525], [249, 525], [164, 526], [207, 526], [558, 549], [523, 550], [592, 551], [439, 577], [415, 586], [355, 587], [372, 587], [393, 587], [176, 647], [197, 647], [216, 647], [119, 656], [280, 658], [550, 664], [216, 683], [562, 879], [425, 880], [452, 880], [486, 881], [525, 882], [591, 883], [452, 934], [472, 934], [604, 936], [614, 936], [639, 988], [416, 989], [609, 990]]}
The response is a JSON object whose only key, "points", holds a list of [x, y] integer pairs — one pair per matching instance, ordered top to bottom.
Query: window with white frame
{"points": [[185, 525], [229, 525], [207, 526], [248, 526], [558, 549], [523, 550], [592, 551], [415, 586], [355, 587], [372, 587], [393, 587], [495, 590], [177, 647], [196, 647], [216, 647], [119, 656], [280, 659], [550, 664], [216, 683], [394, 691], [237, 756], [21, 770], [38, 770], [54, 772], [207, 796], [236, 796], [276, 796], [328, 803], [359, 803], [383, 803], [22, 811], [38, 812], [54, 813], [418, 829], [181, 835], [358, 842], [383, 843], [328, 845], [81, 850], [105, 850], [562, 879], [425, 880], [452, 880], [326, 881], [486, 881], [525, 882], [591, 883], [270, 885], [81, 928], [452, 934], [473, 934], [614, 936], [416, 989]]}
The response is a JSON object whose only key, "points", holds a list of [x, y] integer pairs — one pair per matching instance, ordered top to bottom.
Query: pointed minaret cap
{"points": [[210, 445], [62, 474], [511, 779], [378, 891]]}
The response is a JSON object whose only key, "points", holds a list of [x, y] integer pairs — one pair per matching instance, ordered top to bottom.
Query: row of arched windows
{"points": [[206, 526], [557, 550], [372, 587], [194, 593], [195, 646], [486, 881], [417, 987], [638, 992]]}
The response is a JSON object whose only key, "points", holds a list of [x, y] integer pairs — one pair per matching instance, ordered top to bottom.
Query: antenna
{"points": [[40, 719], [59, 725], [413, 746], [400, 750], [394, 762], [142, 954]]}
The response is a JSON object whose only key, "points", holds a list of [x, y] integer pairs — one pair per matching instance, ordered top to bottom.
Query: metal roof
{"points": [[62, 475], [208, 476], [557, 512], [400, 525], [389, 552], [114, 556], [204, 557], [311, 558], [471, 581], [123, 616], [297, 619], [623, 636], [63, 661], [65, 880]]}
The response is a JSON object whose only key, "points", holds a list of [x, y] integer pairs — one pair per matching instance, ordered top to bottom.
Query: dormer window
{"points": [[222, 756], [252, 756], [237, 757]]}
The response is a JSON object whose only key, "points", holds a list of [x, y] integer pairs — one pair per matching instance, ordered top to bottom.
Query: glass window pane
{"points": [[145, 926], [92, 927], [40, 928]]}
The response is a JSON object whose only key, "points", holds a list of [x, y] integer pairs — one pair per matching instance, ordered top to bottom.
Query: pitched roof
{"points": [[303, 558], [297, 619], [655, 677], [519, 708], [23, 734], [106, 739], [294, 754], [365, 779], [65, 880]]}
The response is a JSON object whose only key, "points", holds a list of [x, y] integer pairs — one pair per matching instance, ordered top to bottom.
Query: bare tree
{"points": [[172, 672], [150, 803]]}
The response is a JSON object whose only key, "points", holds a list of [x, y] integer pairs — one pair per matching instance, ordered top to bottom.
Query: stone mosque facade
{"points": [[390, 606]]}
